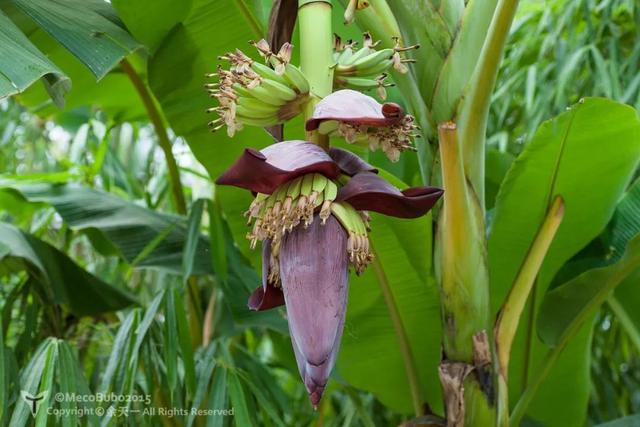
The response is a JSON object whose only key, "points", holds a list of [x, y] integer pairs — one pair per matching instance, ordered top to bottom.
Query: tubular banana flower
{"points": [[359, 118], [311, 214]]}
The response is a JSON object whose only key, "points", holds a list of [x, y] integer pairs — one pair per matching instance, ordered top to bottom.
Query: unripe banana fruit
{"points": [[366, 65], [252, 93]]}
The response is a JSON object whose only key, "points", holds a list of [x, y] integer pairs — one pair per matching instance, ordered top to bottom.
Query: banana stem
{"points": [[316, 53], [475, 108], [161, 132], [463, 274], [509, 317]]}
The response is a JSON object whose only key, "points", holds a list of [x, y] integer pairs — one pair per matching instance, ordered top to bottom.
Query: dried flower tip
{"points": [[349, 12], [368, 41], [338, 46], [263, 48], [399, 48], [284, 54], [397, 60], [382, 92], [215, 122], [349, 132], [312, 197], [302, 203], [286, 206], [255, 207], [275, 211], [325, 211], [307, 215], [366, 219], [360, 257], [274, 265]]}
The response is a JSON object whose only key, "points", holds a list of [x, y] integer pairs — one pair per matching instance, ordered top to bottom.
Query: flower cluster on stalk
{"points": [[311, 206]]}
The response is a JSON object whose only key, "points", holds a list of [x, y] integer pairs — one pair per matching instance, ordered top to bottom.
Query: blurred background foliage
{"points": [[90, 187]]}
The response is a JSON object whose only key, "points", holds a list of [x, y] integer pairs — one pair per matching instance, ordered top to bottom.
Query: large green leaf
{"points": [[151, 28], [89, 29], [452, 43], [21, 64], [176, 76], [113, 94], [587, 155], [497, 163], [626, 221], [128, 226], [624, 226], [131, 229], [597, 276], [60, 279], [573, 302], [370, 355], [31, 378], [630, 421]]}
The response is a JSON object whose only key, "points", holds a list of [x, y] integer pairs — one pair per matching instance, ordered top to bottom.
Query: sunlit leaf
{"points": [[87, 28], [151, 28], [586, 155], [404, 251]]}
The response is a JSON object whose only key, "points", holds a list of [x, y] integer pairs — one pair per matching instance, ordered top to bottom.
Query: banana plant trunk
{"points": [[449, 92], [466, 371]]}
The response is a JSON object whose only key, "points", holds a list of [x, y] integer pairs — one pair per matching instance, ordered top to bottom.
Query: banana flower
{"points": [[360, 118], [311, 214]]}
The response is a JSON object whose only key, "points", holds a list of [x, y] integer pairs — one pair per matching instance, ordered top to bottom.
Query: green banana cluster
{"points": [[367, 68], [255, 94], [295, 203], [291, 204], [357, 226]]}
